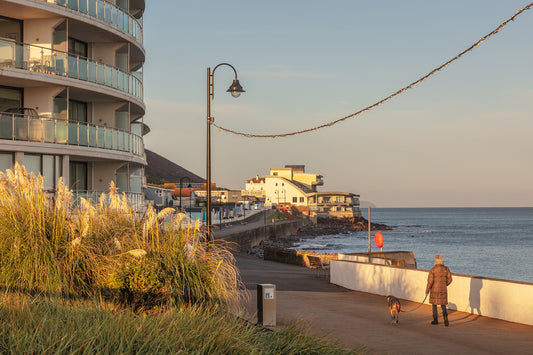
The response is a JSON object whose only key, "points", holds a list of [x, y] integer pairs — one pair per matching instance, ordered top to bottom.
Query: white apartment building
{"points": [[71, 92], [292, 186]]}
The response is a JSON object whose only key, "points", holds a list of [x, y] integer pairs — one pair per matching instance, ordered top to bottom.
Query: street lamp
{"points": [[235, 89], [244, 210]]}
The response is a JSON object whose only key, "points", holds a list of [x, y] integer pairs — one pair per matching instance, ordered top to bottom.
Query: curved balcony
{"points": [[106, 12], [48, 61], [52, 130]]}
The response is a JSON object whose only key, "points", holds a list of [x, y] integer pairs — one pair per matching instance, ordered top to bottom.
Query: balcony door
{"points": [[78, 176]]}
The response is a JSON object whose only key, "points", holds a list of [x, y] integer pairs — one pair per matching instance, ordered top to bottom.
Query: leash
{"points": [[414, 309]]}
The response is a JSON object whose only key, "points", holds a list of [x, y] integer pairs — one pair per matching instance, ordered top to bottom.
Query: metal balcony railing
{"points": [[106, 12], [49, 61], [43, 129]]}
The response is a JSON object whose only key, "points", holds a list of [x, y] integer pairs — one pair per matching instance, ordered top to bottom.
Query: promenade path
{"points": [[255, 221], [357, 318]]}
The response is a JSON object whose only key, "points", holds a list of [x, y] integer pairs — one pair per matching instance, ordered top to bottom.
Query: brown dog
{"points": [[394, 308]]}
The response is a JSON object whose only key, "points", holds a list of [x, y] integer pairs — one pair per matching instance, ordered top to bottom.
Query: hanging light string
{"points": [[401, 91]]}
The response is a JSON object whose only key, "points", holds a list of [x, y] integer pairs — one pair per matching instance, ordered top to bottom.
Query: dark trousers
{"points": [[435, 310]]}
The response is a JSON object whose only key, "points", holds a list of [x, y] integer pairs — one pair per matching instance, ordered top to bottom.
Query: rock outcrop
{"points": [[327, 226]]}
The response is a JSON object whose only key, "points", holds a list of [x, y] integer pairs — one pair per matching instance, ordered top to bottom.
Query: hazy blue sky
{"points": [[462, 138]]}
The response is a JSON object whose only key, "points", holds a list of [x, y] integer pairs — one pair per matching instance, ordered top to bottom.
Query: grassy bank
{"points": [[78, 277], [41, 325]]}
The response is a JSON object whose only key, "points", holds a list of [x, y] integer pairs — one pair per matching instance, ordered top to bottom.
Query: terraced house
{"points": [[71, 92]]}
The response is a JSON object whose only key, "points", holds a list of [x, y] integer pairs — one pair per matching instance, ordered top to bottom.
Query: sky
{"points": [[462, 138]]}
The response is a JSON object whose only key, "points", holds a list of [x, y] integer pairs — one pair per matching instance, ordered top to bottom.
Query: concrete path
{"points": [[256, 221], [355, 318]]}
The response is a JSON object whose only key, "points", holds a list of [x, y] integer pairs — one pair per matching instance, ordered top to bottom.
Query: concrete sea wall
{"points": [[502, 299]]}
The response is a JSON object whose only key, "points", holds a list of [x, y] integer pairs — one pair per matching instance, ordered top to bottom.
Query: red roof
{"points": [[185, 192]]}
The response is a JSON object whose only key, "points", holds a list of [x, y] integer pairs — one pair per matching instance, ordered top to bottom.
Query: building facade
{"points": [[71, 93], [292, 186], [335, 204]]}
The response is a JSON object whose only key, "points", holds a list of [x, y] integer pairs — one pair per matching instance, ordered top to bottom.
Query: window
{"points": [[11, 29], [76, 47], [10, 98], [77, 111], [6, 161], [32, 163], [49, 166], [78, 176], [295, 199], [302, 199]]}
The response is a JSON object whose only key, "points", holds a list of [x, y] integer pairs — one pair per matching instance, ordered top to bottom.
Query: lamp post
{"points": [[235, 89], [244, 210]]}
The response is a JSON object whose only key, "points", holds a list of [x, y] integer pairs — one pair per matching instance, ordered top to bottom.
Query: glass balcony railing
{"points": [[106, 12], [48, 61], [52, 130], [135, 199]]}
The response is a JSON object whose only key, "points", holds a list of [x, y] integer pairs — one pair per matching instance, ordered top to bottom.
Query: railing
{"points": [[106, 12], [49, 61], [52, 130], [135, 199]]}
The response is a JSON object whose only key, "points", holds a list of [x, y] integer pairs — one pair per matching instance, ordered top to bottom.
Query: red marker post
{"points": [[378, 240]]}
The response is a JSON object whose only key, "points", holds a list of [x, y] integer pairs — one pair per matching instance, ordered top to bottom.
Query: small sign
{"points": [[268, 293]]}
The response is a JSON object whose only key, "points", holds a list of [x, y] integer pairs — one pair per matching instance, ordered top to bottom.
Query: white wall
{"points": [[39, 31], [41, 99], [104, 113], [283, 192], [507, 300]]}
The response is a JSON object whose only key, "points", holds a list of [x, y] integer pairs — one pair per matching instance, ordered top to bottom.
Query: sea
{"points": [[489, 242]]}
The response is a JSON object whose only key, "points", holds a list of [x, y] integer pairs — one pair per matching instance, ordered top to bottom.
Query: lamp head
{"points": [[235, 89]]}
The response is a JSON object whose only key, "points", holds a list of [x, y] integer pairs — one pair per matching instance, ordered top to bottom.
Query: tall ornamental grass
{"points": [[51, 245]]}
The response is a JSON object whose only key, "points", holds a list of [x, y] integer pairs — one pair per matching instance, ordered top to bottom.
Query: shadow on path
{"points": [[255, 271]]}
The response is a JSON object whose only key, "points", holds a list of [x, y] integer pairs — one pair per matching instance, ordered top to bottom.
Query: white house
{"points": [[292, 186]]}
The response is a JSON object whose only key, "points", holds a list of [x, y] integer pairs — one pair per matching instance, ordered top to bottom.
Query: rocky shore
{"points": [[324, 226]]}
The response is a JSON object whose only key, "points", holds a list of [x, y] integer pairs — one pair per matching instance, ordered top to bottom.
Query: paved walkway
{"points": [[257, 220], [355, 318]]}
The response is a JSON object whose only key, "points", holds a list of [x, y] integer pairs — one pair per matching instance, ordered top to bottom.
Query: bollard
{"points": [[266, 305]]}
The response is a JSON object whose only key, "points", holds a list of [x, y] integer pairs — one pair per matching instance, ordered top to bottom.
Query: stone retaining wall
{"points": [[253, 237], [295, 257]]}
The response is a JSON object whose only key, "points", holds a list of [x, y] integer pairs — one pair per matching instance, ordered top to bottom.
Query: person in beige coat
{"points": [[439, 278]]}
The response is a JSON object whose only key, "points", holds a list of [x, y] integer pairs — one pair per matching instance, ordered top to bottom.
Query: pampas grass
{"points": [[54, 246], [83, 278]]}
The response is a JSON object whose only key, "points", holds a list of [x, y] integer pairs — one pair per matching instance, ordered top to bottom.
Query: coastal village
{"points": [[288, 188], [108, 247]]}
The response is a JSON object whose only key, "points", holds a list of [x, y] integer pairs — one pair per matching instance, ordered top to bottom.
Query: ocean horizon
{"points": [[494, 242]]}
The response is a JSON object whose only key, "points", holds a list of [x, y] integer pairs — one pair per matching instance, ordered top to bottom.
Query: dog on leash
{"points": [[394, 308]]}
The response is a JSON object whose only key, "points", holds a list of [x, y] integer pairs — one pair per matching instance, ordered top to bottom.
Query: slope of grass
{"points": [[43, 325]]}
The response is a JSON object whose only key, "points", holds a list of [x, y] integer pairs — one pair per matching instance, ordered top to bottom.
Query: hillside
{"points": [[161, 170]]}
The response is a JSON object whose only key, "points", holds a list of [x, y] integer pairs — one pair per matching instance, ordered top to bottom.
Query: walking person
{"points": [[438, 280]]}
